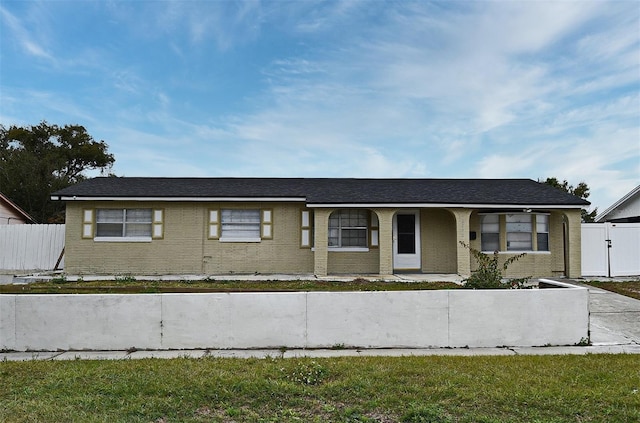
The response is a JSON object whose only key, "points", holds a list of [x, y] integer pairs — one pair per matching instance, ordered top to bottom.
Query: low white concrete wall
{"points": [[414, 319]]}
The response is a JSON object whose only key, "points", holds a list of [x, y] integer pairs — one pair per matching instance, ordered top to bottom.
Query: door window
{"points": [[406, 233]]}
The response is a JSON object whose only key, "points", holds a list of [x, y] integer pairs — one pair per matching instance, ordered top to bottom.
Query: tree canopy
{"points": [[40, 159], [581, 190]]}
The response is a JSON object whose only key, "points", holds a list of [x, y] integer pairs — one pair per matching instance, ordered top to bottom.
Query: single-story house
{"points": [[625, 210], [11, 213], [317, 226]]}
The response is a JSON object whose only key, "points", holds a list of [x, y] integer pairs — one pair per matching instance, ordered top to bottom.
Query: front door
{"points": [[406, 241]]}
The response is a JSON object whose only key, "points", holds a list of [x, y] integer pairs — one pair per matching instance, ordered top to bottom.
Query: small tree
{"points": [[581, 190], [489, 274]]}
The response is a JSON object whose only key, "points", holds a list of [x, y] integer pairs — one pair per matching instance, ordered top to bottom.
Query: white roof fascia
{"points": [[184, 199], [617, 204], [318, 205], [440, 205]]}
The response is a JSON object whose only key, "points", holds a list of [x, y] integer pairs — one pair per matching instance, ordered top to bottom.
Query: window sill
{"points": [[122, 239], [240, 239], [349, 249], [517, 252]]}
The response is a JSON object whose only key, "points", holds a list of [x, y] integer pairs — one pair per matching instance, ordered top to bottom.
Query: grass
{"points": [[130, 285], [629, 288], [591, 388]]}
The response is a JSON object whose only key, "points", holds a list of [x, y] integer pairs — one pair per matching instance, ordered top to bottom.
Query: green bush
{"points": [[489, 274]]}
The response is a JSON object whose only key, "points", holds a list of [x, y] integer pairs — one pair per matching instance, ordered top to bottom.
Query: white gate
{"points": [[31, 247], [610, 249]]}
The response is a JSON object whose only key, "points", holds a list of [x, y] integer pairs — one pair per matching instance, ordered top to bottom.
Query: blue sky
{"points": [[456, 89]]}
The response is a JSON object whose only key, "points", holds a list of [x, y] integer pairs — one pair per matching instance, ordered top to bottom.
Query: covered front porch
{"points": [[429, 240]]}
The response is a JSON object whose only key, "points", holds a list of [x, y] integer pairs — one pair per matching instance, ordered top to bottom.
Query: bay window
{"points": [[542, 231], [490, 232], [514, 232], [519, 236]]}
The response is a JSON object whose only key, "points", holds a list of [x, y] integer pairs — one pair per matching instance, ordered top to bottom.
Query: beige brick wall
{"points": [[574, 231], [438, 239], [185, 248], [179, 252], [282, 254], [341, 262]]}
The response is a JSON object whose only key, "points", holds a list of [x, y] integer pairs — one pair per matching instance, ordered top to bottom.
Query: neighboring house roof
{"points": [[326, 191], [628, 207], [14, 211]]}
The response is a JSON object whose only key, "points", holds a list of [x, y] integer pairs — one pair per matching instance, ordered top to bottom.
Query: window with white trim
{"points": [[124, 223], [240, 225], [348, 228]]}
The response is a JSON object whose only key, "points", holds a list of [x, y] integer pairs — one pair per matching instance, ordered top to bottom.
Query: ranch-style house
{"points": [[321, 226]]}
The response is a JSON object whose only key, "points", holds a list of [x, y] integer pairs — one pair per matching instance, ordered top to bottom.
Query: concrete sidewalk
{"points": [[614, 326], [320, 353]]}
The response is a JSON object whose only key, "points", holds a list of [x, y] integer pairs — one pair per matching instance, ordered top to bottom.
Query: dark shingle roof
{"points": [[333, 190]]}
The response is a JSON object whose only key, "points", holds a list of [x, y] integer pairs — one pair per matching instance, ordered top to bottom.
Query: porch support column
{"points": [[462, 234], [385, 238], [321, 241], [574, 243]]}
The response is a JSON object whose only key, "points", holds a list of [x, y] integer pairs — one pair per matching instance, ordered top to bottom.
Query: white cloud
{"points": [[23, 36], [462, 89]]}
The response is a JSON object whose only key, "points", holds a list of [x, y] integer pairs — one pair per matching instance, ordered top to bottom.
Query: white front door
{"points": [[406, 240]]}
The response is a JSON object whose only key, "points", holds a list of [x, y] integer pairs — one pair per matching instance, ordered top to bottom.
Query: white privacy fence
{"points": [[31, 247], [610, 249]]}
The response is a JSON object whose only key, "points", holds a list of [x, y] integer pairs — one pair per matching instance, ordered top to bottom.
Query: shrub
{"points": [[489, 274]]}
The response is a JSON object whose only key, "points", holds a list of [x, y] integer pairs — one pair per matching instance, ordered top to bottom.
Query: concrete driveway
{"points": [[614, 318]]}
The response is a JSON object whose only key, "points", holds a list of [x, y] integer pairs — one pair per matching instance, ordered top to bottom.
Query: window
{"points": [[123, 223], [240, 225], [348, 228], [519, 229], [542, 229], [490, 232], [522, 232]]}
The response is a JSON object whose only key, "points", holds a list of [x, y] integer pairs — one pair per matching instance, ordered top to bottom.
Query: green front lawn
{"points": [[131, 285], [630, 288], [590, 388]]}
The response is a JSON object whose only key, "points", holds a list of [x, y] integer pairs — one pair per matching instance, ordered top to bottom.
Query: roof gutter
{"points": [[181, 199], [320, 205], [449, 205]]}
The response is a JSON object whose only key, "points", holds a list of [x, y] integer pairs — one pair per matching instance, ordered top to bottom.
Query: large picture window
{"points": [[123, 223], [240, 225], [348, 228]]}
